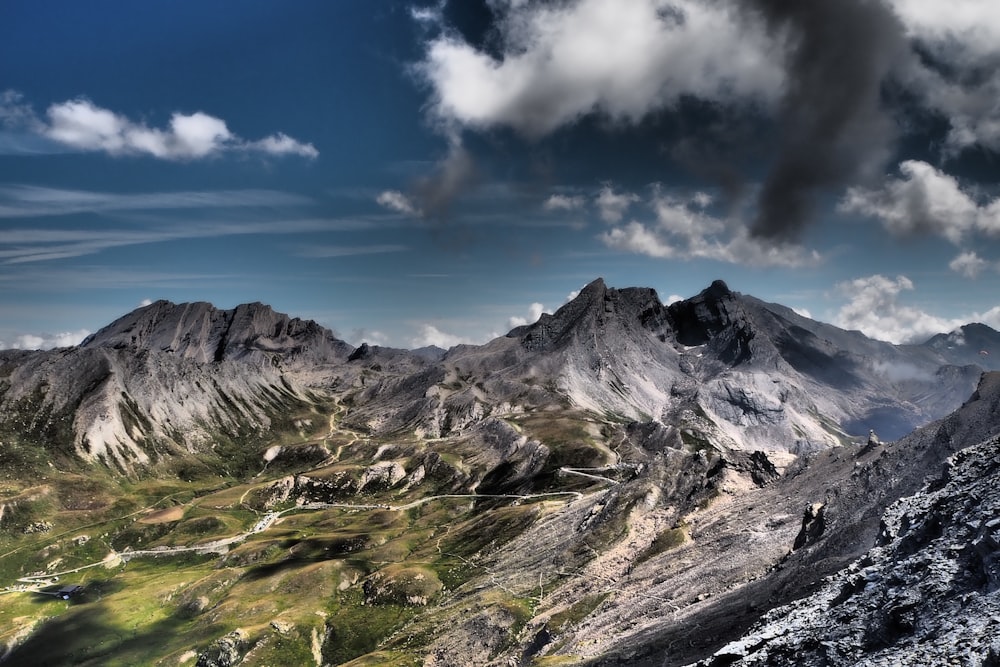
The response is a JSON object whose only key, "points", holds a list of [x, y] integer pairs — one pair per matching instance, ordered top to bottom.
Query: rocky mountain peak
{"points": [[718, 289], [594, 309], [702, 317], [204, 333], [974, 343]]}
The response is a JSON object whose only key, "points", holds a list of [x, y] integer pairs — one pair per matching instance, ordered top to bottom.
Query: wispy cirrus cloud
{"points": [[81, 125], [925, 200], [24, 201], [19, 246], [328, 251], [35, 278]]}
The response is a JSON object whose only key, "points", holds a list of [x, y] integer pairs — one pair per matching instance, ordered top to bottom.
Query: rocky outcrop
{"points": [[203, 333], [731, 371], [813, 525], [928, 592], [225, 652]]}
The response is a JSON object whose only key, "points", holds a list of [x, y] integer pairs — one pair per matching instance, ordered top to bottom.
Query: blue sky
{"points": [[413, 173]]}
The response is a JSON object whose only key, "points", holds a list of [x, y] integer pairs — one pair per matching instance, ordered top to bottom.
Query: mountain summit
{"points": [[203, 333], [741, 373], [622, 482]]}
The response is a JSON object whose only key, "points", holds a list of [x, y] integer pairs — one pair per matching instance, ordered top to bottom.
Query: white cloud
{"points": [[428, 14], [976, 22], [963, 39], [561, 61], [82, 125], [282, 144], [702, 199], [395, 200], [925, 200], [564, 203], [612, 205], [684, 230], [636, 238], [968, 264], [673, 298], [145, 302], [874, 308], [535, 311], [804, 312], [431, 335], [370, 336], [48, 341]]}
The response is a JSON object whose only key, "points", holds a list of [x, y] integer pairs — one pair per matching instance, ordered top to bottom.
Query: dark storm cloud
{"points": [[816, 68], [835, 130], [454, 175]]}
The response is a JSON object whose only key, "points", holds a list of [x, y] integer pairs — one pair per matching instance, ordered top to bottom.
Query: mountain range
{"points": [[622, 482]]}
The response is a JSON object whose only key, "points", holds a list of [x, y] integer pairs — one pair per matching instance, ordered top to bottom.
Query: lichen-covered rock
{"points": [[224, 652]]}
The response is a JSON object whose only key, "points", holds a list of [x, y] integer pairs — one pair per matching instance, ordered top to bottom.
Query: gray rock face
{"points": [[203, 333], [723, 367], [124, 407], [925, 594], [225, 652]]}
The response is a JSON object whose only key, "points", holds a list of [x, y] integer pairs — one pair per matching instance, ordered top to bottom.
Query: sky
{"points": [[438, 172]]}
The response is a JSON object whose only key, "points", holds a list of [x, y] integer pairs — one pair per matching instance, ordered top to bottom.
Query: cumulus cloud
{"points": [[561, 61], [817, 69], [961, 77], [81, 125], [282, 144], [394, 200], [925, 200], [564, 203], [612, 205], [684, 230], [636, 238], [968, 264], [145, 302], [874, 308], [535, 311], [431, 335], [370, 336], [47, 341]]}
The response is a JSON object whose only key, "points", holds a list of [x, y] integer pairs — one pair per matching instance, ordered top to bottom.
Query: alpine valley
{"points": [[720, 481]]}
